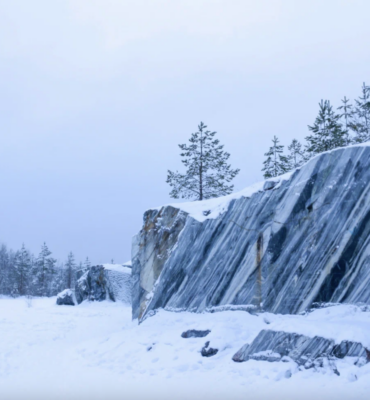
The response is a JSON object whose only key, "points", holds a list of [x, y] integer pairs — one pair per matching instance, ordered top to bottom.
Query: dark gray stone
{"points": [[306, 241], [66, 298], [193, 333], [208, 351]]}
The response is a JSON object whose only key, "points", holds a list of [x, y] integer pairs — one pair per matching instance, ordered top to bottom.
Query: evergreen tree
{"points": [[347, 114], [361, 123], [327, 131], [296, 155], [276, 163], [207, 172], [87, 264], [22, 269], [45, 269], [4, 270], [70, 271]]}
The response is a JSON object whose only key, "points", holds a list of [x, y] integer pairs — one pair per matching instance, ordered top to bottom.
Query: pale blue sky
{"points": [[96, 95]]}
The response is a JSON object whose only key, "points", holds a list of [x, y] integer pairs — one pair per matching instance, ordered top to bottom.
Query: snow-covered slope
{"points": [[280, 245], [96, 351]]}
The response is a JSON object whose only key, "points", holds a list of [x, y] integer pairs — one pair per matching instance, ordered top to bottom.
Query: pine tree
{"points": [[346, 113], [361, 123], [327, 131], [296, 155], [276, 163], [208, 174], [87, 264], [45, 268], [22, 269], [4, 270], [70, 271]]}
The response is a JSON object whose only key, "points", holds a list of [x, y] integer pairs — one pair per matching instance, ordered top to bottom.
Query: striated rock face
{"points": [[301, 240], [103, 282], [274, 346]]}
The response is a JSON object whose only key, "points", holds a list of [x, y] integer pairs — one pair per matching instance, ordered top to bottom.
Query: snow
{"points": [[215, 207], [212, 208], [117, 268], [64, 293], [95, 351]]}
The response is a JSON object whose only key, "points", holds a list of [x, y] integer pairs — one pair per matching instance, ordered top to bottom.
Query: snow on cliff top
{"points": [[212, 208], [117, 268]]}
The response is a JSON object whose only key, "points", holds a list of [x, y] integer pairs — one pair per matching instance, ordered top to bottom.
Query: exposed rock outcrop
{"points": [[304, 239], [102, 282], [309, 352]]}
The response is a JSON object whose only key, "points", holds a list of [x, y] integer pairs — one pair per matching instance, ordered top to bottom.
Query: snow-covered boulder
{"points": [[280, 245], [103, 282], [66, 298]]}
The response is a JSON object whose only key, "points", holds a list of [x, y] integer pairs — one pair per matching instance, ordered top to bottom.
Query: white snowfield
{"points": [[94, 351]]}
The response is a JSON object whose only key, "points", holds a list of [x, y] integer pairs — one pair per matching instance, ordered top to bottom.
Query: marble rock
{"points": [[302, 240], [103, 282], [308, 352]]}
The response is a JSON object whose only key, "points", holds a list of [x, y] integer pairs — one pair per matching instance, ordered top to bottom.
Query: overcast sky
{"points": [[95, 96]]}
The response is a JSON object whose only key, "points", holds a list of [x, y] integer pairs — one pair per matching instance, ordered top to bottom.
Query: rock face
{"points": [[303, 240], [104, 282], [66, 298], [274, 346]]}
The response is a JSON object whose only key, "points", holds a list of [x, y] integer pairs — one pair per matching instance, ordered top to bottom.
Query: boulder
{"points": [[103, 282], [66, 298], [193, 333], [208, 351]]}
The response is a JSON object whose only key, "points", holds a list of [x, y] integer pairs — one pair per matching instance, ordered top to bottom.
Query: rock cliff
{"points": [[280, 245], [98, 283]]}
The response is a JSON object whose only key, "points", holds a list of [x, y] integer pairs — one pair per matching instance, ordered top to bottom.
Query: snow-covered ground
{"points": [[94, 351]]}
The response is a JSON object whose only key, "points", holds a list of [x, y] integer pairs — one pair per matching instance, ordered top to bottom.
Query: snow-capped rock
{"points": [[280, 245], [103, 282], [66, 298]]}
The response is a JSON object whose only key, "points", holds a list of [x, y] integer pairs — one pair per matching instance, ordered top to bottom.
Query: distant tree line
{"points": [[348, 124], [23, 274]]}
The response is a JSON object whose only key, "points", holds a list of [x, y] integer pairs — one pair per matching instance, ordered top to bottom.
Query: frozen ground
{"points": [[94, 351]]}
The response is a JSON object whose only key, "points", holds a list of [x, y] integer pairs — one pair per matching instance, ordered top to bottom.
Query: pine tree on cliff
{"points": [[361, 123], [327, 131], [296, 155], [276, 163], [207, 172]]}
